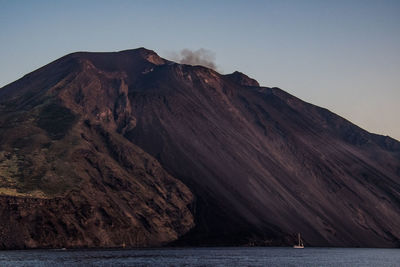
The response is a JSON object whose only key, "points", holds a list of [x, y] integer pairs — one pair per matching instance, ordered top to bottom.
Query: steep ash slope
{"points": [[109, 129], [259, 154]]}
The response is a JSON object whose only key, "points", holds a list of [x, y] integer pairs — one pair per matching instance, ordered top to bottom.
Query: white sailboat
{"points": [[300, 243]]}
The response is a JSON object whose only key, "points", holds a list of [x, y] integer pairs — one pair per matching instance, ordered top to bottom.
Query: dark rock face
{"points": [[242, 79], [105, 149], [69, 179]]}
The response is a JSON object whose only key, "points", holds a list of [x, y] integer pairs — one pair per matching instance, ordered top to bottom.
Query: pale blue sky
{"points": [[342, 55]]}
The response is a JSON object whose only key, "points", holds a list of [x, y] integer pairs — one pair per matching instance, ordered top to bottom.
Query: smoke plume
{"points": [[201, 57]]}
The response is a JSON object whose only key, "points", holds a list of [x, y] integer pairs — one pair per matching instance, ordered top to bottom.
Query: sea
{"points": [[226, 256]]}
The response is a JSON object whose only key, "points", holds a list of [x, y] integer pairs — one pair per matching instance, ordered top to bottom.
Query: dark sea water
{"points": [[255, 256]]}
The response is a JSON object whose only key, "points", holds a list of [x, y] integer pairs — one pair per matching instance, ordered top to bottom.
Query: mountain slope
{"points": [[256, 165], [67, 180]]}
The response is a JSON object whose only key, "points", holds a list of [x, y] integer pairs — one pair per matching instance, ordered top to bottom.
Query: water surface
{"points": [[255, 256]]}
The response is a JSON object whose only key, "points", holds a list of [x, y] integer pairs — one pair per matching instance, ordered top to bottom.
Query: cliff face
{"points": [[106, 149], [69, 179], [89, 189]]}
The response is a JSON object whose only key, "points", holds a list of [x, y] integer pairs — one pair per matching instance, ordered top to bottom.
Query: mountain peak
{"points": [[149, 55], [242, 79], [103, 149]]}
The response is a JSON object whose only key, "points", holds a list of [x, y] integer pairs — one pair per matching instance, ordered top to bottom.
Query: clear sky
{"points": [[341, 54]]}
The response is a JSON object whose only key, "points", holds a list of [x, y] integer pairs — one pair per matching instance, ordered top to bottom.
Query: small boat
{"points": [[300, 242]]}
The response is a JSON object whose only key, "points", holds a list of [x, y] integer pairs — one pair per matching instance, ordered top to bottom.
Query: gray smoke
{"points": [[201, 57]]}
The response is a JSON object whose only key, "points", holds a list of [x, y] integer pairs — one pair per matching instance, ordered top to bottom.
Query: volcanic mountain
{"points": [[129, 149]]}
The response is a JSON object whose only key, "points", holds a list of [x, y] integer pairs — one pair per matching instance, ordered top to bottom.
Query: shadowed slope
{"points": [[262, 164]]}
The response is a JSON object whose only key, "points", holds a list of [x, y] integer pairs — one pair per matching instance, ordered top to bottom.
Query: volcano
{"points": [[130, 149]]}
